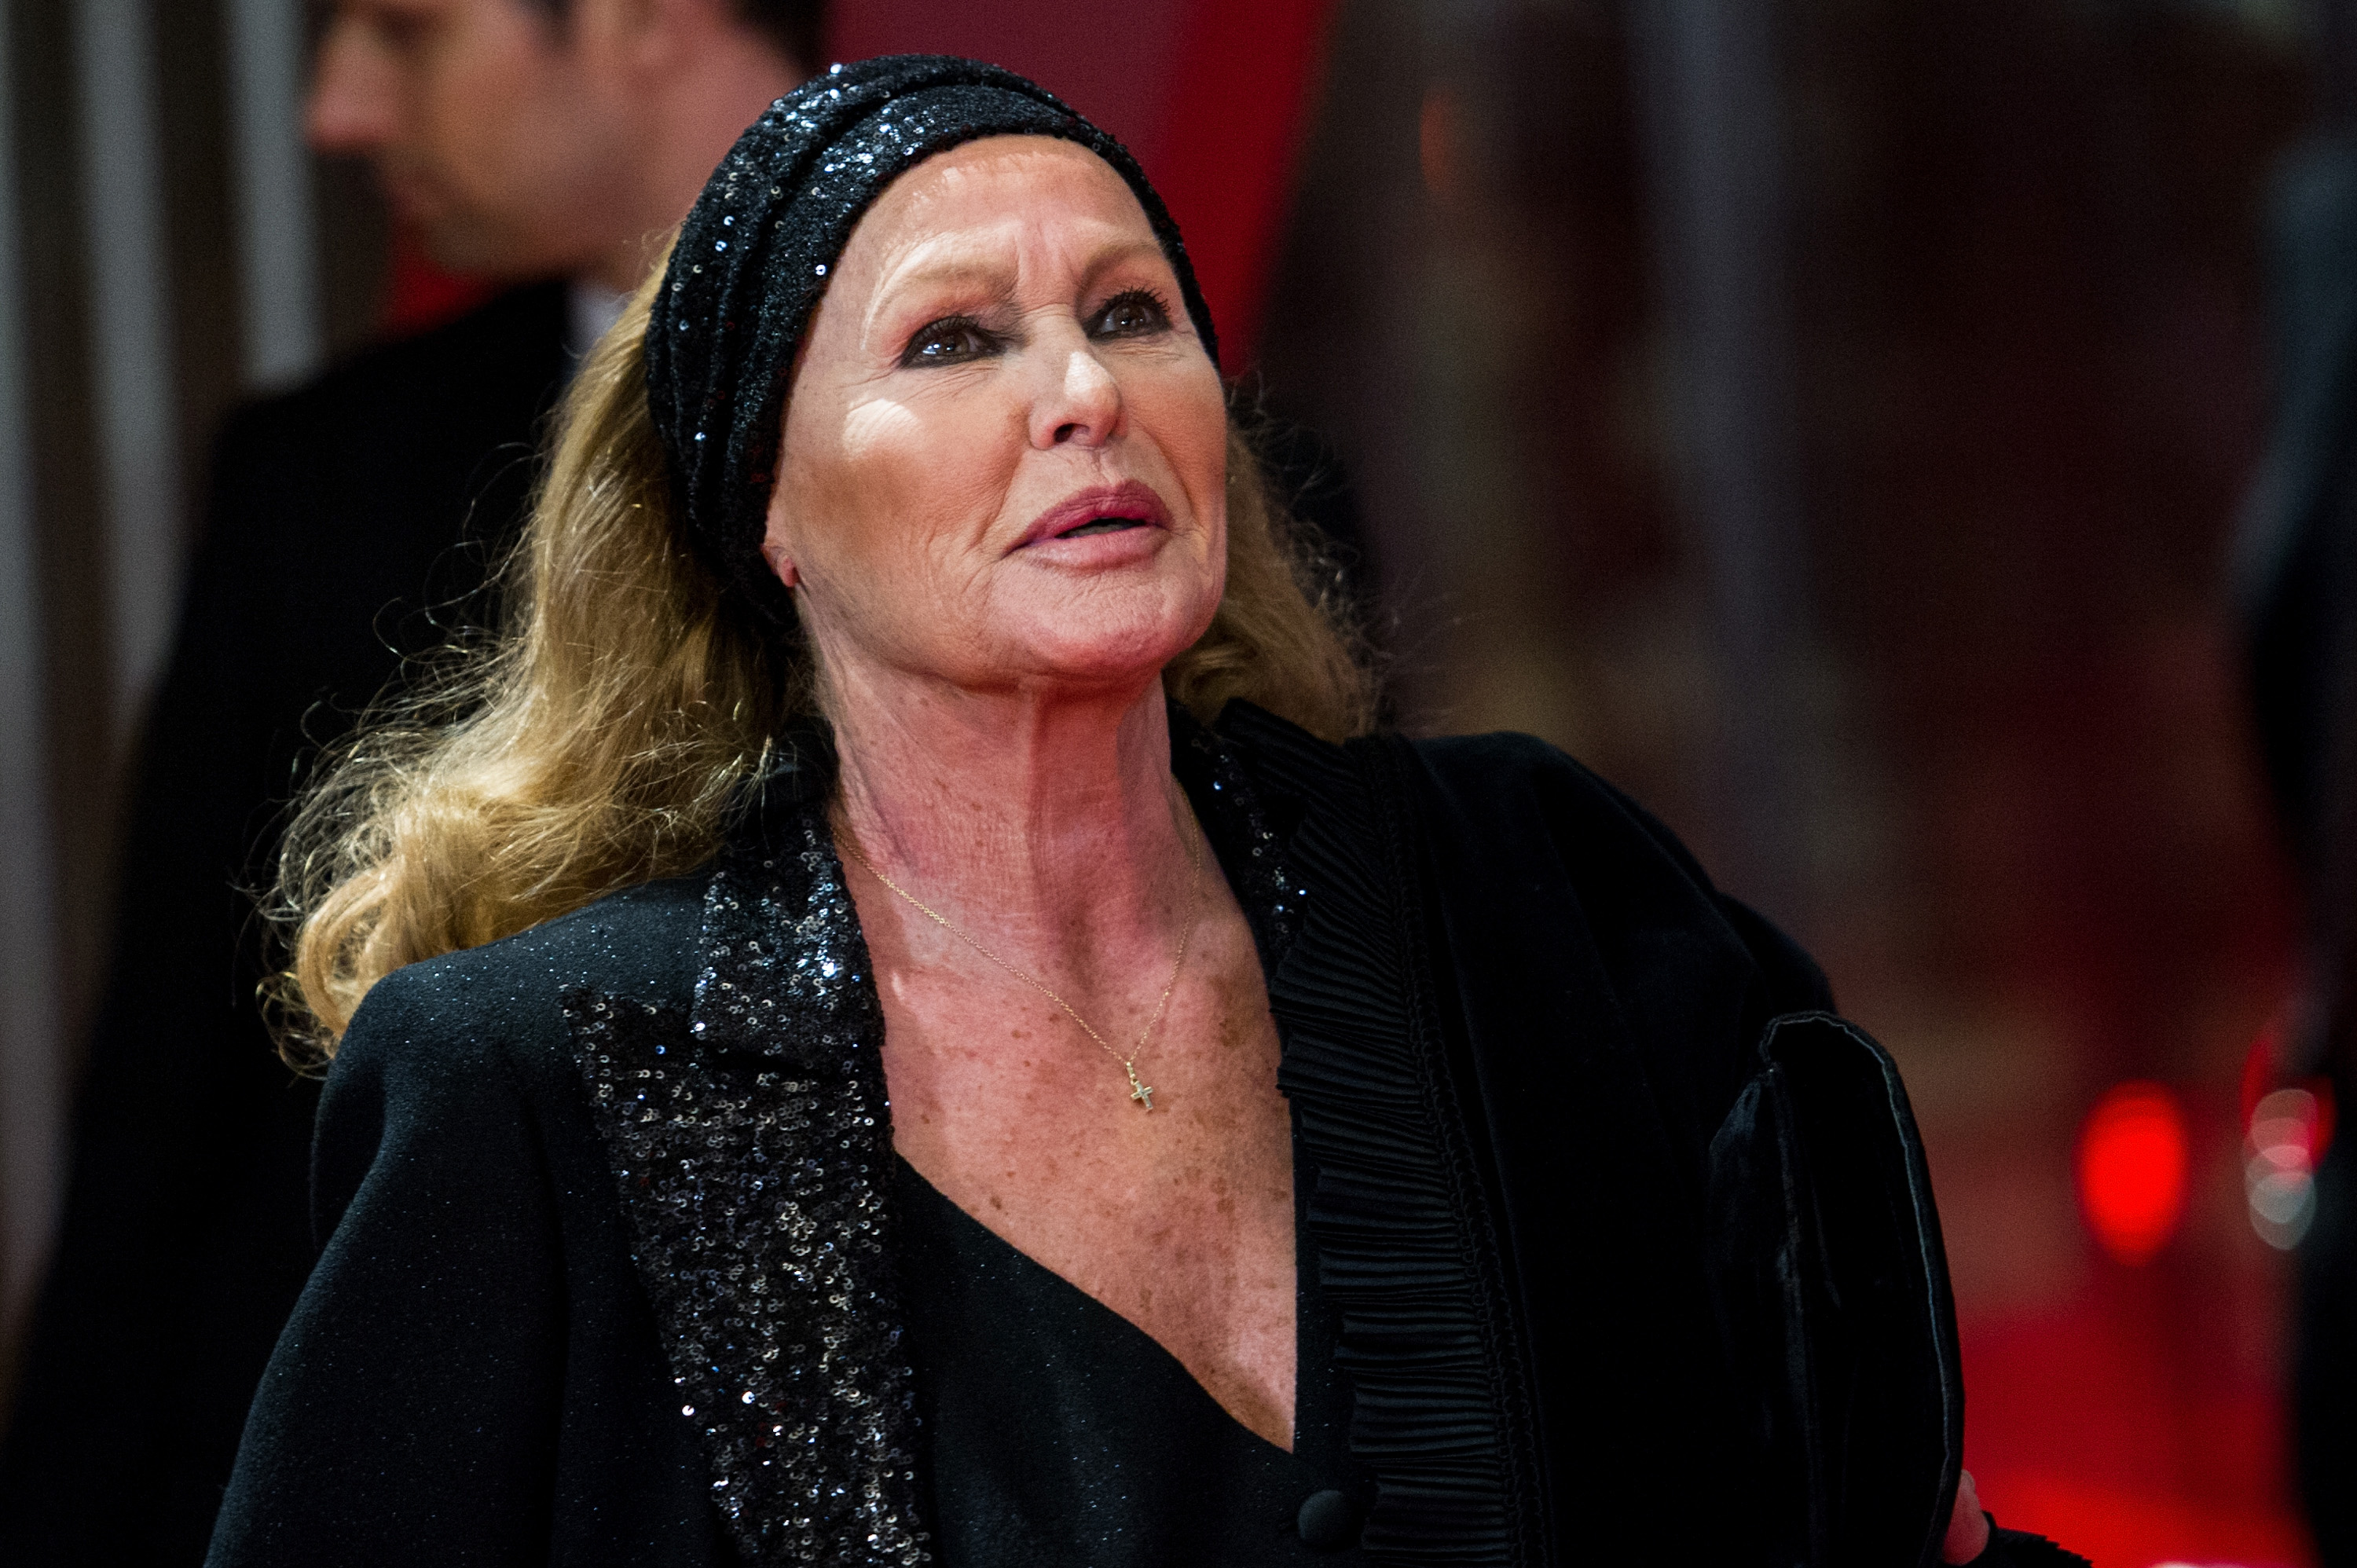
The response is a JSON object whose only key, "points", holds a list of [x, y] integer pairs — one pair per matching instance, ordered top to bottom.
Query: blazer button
{"points": [[1329, 1521]]}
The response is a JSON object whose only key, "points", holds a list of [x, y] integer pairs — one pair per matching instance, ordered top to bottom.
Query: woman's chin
{"points": [[1105, 628], [1096, 658], [1097, 671]]}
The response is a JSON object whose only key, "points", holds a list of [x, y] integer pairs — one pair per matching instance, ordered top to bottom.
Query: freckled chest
{"points": [[1179, 1219]]}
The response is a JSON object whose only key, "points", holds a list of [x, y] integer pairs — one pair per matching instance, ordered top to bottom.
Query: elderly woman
{"points": [[908, 1019]]}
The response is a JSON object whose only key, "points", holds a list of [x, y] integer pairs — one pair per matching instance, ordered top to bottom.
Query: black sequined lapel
{"points": [[753, 1152]]}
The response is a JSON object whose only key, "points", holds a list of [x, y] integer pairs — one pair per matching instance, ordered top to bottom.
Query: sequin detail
{"points": [[1235, 817], [751, 1147]]}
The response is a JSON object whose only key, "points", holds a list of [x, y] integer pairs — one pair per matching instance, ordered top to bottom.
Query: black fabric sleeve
{"points": [[1793, 982], [410, 1411]]}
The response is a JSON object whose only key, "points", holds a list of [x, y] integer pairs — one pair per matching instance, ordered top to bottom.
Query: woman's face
{"points": [[1005, 453]]}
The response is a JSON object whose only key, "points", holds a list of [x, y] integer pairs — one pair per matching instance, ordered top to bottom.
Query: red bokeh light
{"points": [[2131, 1170]]}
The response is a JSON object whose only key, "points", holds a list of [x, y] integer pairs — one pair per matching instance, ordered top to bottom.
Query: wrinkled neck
{"points": [[1046, 821]]}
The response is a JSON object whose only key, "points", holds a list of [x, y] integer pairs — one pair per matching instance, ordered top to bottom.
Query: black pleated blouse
{"points": [[1056, 1432]]}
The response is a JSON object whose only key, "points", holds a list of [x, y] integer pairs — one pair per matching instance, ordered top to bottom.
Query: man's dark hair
{"points": [[796, 26]]}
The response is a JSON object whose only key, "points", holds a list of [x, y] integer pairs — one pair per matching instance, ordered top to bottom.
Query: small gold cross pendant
{"points": [[1141, 1092]]}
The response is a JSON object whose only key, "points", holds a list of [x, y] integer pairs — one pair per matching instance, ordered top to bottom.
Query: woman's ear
{"points": [[774, 552]]}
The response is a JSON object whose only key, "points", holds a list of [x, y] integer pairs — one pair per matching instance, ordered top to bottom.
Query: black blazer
{"points": [[334, 519], [1631, 1239]]}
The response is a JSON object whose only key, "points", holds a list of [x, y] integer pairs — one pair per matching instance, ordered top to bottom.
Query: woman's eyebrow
{"points": [[1120, 254], [949, 267], [971, 271], [948, 273], [947, 278]]}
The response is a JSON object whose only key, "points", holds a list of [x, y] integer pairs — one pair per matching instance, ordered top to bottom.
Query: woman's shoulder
{"points": [[1501, 778], [1508, 779], [1498, 785], [1511, 820], [1644, 895], [505, 1000], [464, 1063]]}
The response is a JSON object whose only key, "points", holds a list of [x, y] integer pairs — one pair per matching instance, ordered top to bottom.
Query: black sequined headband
{"points": [[753, 258]]}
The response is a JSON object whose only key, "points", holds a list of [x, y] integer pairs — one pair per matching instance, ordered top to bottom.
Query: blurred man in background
{"points": [[547, 145]]}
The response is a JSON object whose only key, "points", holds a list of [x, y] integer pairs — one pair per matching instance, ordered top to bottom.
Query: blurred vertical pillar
{"points": [[2336, 59], [1712, 117], [122, 206], [277, 263], [1344, 340], [1489, 501], [32, 1094]]}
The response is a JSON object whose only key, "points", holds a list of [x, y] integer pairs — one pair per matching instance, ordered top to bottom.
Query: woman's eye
{"points": [[1133, 314], [950, 340]]}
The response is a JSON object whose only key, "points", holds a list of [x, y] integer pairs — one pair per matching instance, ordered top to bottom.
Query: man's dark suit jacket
{"points": [[345, 522]]}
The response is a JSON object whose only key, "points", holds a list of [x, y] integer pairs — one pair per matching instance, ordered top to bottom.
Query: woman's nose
{"points": [[1080, 403]]}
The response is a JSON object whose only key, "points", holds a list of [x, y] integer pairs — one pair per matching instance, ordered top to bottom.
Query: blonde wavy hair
{"points": [[608, 733]]}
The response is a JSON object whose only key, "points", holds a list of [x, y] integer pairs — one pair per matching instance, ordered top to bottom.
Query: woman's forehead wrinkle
{"points": [[954, 226]]}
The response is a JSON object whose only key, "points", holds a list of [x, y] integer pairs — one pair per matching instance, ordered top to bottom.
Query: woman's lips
{"points": [[1103, 509]]}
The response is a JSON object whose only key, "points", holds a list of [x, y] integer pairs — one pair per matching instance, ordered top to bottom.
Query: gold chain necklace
{"points": [[1141, 1091]]}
